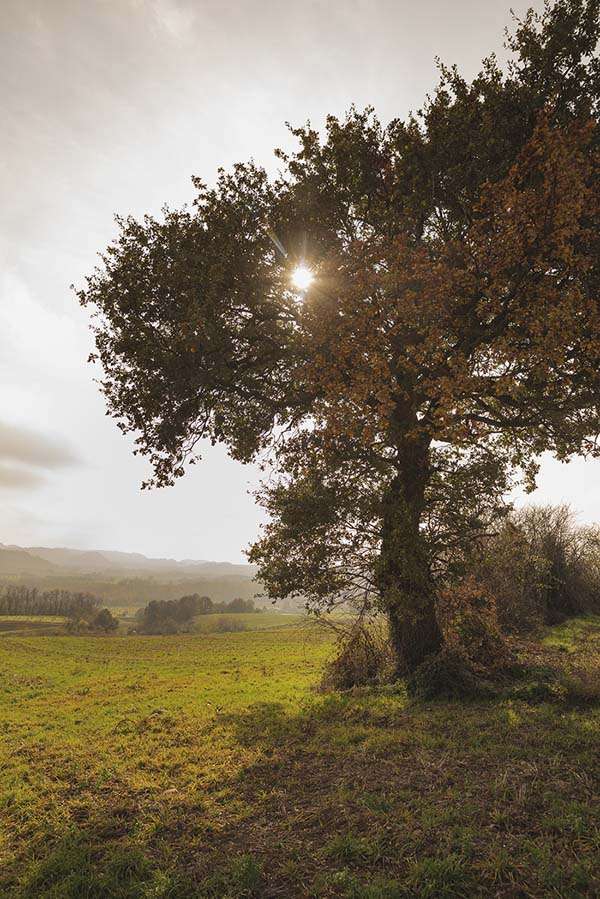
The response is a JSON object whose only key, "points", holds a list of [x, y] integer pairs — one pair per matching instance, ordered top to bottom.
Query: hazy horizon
{"points": [[112, 107], [106, 550]]}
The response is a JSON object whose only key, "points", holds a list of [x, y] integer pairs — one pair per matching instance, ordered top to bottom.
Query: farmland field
{"points": [[245, 620], [215, 622], [21, 624], [208, 766]]}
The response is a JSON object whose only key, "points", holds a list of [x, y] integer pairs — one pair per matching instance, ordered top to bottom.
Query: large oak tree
{"points": [[451, 333]]}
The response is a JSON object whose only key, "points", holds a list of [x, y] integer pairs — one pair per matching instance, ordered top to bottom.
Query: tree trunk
{"points": [[406, 585]]}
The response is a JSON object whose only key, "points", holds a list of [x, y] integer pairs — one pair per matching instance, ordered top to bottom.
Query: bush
{"points": [[542, 568], [515, 576], [468, 619], [105, 621], [228, 625], [77, 626], [163, 627], [475, 651], [364, 657], [444, 675]]}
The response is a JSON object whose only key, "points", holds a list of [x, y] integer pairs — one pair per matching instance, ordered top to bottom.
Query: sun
{"points": [[302, 277]]}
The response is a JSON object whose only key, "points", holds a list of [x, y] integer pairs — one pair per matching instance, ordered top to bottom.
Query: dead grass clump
{"points": [[364, 657]]}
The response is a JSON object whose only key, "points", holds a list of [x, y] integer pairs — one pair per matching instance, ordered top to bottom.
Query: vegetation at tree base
{"points": [[451, 334], [540, 567], [173, 616], [206, 767]]}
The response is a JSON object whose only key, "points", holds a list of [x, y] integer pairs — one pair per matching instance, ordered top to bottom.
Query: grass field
{"points": [[251, 621], [23, 624], [207, 766]]}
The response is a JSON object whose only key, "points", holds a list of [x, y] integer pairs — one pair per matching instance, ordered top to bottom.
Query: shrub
{"points": [[542, 568], [512, 572], [468, 619], [105, 621], [228, 625], [77, 626], [474, 653], [364, 657], [444, 674]]}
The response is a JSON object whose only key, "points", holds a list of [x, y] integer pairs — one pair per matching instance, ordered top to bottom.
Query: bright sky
{"points": [[110, 106]]}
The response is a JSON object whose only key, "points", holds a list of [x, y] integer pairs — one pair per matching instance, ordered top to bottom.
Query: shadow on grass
{"points": [[361, 795]]}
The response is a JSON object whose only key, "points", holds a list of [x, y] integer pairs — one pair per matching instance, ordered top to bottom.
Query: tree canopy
{"points": [[451, 333]]}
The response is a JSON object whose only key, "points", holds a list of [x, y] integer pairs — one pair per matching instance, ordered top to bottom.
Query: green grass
{"points": [[52, 619], [250, 621], [25, 625], [575, 633], [207, 766]]}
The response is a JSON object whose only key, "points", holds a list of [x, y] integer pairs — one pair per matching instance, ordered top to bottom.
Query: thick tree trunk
{"points": [[406, 586]]}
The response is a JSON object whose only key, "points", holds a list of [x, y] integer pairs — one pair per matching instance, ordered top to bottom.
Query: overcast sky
{"points": [[110, 106]]}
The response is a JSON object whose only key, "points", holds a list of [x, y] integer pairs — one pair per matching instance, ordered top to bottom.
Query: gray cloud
{"points": [[111, 105], [28, 447], [17, 478]]}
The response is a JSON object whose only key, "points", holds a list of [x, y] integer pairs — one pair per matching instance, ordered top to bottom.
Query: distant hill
{"points": [[81, 560], [17, 561], [95, 561], [120, 578], [130, 579]]}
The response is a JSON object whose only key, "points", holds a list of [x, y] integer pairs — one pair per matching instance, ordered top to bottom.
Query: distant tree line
{"points": [[117, 590], [21, 600], [82, 609], [173, 615]]}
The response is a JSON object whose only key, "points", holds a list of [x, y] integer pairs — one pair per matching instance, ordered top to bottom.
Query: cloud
{"points": [[28, 447], [16, 478]]}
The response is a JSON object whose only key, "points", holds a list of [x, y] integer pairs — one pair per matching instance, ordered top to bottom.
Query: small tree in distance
{"points": [[451, 333], [105, 621]]}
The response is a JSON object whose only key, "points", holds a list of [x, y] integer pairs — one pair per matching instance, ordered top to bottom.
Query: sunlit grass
{"points": [[207, 765]]}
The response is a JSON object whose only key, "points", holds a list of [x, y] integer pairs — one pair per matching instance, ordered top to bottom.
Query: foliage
{"points": [[454, 310], [323, 538], [542, 567], [135, 590], [21, 600], [174, 615], [102, 621], [105, 621], [469, 621], [475, 654], [444, 674]]}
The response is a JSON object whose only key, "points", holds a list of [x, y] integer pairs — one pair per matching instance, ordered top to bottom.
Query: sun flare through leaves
{"points": [[302, 277]]}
